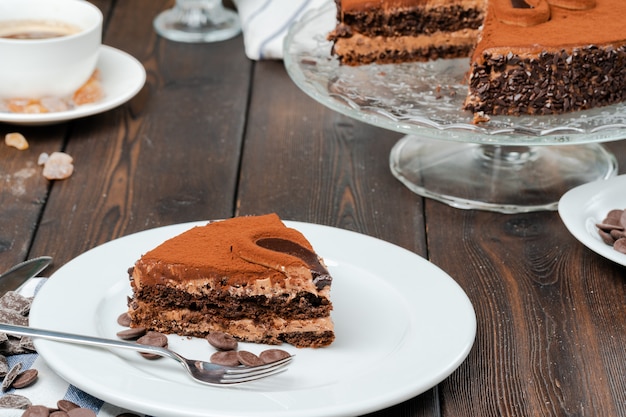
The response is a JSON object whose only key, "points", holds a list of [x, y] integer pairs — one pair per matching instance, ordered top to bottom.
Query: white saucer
{"points": [[121, 75], [581, 208]]}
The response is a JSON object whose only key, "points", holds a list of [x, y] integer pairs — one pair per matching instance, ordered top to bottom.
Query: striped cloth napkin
{"points": [[266, 22], [49, 387]]}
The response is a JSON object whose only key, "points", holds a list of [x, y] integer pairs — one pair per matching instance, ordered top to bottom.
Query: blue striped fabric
{"points": [[266, 22]]}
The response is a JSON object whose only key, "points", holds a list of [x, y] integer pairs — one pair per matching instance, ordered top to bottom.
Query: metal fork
{"points": [[201, 371]]}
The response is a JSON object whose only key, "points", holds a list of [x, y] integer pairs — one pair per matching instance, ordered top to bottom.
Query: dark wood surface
{"points": [[214, 135]]}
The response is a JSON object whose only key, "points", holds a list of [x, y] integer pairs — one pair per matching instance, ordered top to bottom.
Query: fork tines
{"points": [[245, 374]]}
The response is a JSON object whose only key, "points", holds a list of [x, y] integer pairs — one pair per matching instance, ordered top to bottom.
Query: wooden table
{"points": [[214, 135]]}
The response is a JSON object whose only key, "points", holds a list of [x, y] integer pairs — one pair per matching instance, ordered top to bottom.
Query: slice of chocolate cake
{"points": [[395, 31], [251, 277]]}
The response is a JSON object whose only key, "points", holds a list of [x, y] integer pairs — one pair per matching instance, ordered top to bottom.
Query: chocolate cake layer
{"points": [[411, 21], [302, 306]]}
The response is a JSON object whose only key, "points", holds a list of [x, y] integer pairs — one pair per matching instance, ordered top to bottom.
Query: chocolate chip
{"points": [[612, 229], [620, 245], [15, 302], [124, 319], [131, 333], [152, 338], [222, 341], [273, 355], [225, 358], [249, 358], [4, 366], [11, 375], [26, 378], [14, 401], [66, 405], [36, 411], [81, 412], [59, 413]]}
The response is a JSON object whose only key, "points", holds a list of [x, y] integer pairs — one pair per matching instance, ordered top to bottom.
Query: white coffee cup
{"points": [[55, 66]]}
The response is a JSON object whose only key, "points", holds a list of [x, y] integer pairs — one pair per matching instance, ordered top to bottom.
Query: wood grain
{"points": [[213, 134]]}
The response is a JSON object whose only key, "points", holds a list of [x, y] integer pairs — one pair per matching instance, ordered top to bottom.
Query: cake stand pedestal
{"points": [[506, 164], [506, 179]]}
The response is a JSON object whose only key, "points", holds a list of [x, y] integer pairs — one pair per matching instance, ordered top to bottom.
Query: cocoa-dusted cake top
{"points": [[353, 5], [524, 27], [239, 250]]}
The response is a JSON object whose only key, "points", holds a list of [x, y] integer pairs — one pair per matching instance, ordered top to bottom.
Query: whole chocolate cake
{"points": [[533, 57], [251, 277]]}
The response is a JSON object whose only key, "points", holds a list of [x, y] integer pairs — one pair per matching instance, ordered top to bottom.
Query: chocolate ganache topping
{"points": [[535, 12], [321, 276]]}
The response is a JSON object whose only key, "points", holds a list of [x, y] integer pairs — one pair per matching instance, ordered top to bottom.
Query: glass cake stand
{"points": [[506, 164]]}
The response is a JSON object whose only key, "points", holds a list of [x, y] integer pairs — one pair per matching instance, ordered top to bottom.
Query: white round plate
{"points": [[121, 75], [581, 208], [402, 325]]}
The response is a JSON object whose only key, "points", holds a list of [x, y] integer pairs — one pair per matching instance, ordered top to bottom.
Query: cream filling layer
{"points": [[363, 45], [260, 287]]}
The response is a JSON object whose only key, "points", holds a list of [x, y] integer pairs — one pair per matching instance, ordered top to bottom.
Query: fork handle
{"points": [[83, 339]]}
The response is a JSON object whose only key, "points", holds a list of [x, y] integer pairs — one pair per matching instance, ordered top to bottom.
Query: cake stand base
{"points": [[505, 179]]}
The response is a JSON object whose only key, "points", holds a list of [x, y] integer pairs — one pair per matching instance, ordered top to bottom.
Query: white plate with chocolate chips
{"points": [[120, 78], [592, 211], [402, 325]]}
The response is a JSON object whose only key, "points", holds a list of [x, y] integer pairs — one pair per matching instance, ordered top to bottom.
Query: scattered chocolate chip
{"points": [[612, 229], [620, 245], [13, 301], [13, 317], [124, 319], [131, 333], [152, 338], [222, 341], [26, 344], [15, 346], [273, 355], [225, 358], [248, 358], [4, 366], [11, 375], [26, 378], [14, 401], [66, 405], [36, 411], [81, 412], [59, 413]]}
